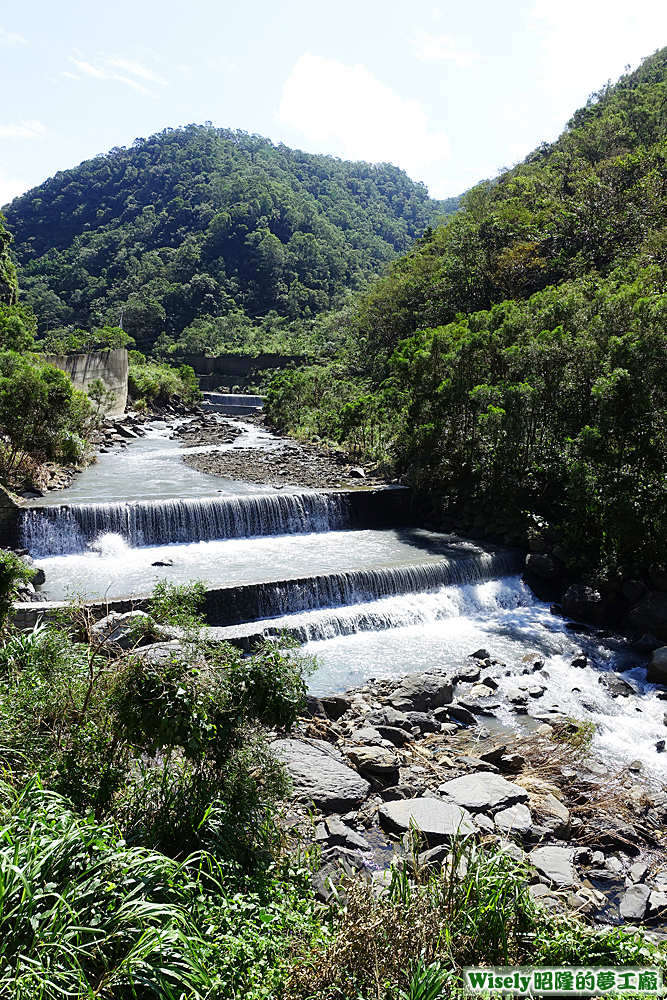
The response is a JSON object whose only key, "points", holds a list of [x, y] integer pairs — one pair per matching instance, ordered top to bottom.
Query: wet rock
{"points": [[356, 472], [544, 565], [39, 578], [650, 614], [647, 643], [481, 654], [581, 661], [656, 672], [469, 674], [490, 682], [616, 685], [420, 691], [481, 691], [517, 697], [335, 705], [480, 706], [314, 707], [462, 715], [374, 760], [320, 775], [483, 792], [517, 819], [439, 821], [339, 834], [555, 864], [634, 903]]}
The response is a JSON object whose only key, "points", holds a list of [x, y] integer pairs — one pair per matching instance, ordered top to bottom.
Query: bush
{"points": [[159, 384], [12, 571]]}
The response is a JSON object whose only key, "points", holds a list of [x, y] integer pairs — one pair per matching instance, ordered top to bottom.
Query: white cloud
{"points": [[11, 38], [586, 43], [430, 47], [136, 68], [101, 72], [70, 76], [326, 100], [26, 130], [10, 189]]}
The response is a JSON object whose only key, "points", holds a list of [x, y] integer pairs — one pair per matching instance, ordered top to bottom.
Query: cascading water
{"points": [[68, 529]]}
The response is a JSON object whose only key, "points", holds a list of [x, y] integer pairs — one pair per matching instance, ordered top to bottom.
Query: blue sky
{"points": [[452, 92]]}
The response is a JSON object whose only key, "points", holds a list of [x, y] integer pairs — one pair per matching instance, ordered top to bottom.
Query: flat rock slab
{"points": [[374, 760], [320, 775], [483, 792], [439, 821], [555, 863], [635, 903]]}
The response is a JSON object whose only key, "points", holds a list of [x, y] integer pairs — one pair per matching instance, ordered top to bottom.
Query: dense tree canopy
{"points": [[200, 222]]}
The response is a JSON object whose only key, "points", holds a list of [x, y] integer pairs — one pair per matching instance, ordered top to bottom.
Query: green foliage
{"points": [[204, 222], [8, 280], [18, 327], [70, 341], [160, 384], [40, 410], [12, 571]]}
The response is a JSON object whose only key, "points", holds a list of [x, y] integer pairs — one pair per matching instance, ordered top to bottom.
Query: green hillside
{"points": [[202, 222], [514, 363]]}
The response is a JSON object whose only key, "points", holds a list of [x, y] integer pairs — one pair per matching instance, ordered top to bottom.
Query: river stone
{"points": [[544, 565], [582, 601], [650, 614], [120, 629], [160, 653], [656, 672], [616, 685], [420, 691], [335, 705], [462, 715], [366, 735], [397, 736], [374, 760], [320, 775], [483, 792], [551, 813], [516, 819], [439, 821], [339, 834], [555, 863], [638, 872], [635, 903], [657, 905]]}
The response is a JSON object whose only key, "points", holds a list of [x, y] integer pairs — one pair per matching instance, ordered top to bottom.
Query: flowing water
{"points": [[367, 603]]}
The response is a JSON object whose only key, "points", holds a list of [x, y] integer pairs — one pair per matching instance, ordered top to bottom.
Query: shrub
{"points": [[12, 571]]}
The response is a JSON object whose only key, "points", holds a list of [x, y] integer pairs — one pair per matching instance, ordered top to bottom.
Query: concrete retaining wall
{"points": [[109, 366], [230, 369]]}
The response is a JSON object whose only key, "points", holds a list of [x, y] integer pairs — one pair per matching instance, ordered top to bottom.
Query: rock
{"points": [[356, 472], [544, 565], [658, 574], [39, 578], [634, 590], [582, 601], [650, 614], [123, 630], [647, 643], [161, 653], [481, 654], [581, 661], [656, 672], [468, 674], [490, 682], [616, 685], [420, 691], [480, 691], [517, 697], [335, 705], [480, 706], [314, 707], [462, 715], [388, 717], [425, 723], [450, 728], [544, 730], [366, 735], [397, 736], [493, 755], [374, 760], [512, 762], [476, 763], [320, 775], [397, 792], [483, 792], [551, 813], [516, 819], [439, 821], [338, 834], [613, 834], [435, 857], [555, 863], [614, 865], [638, 872], [635, 903], [657, 905]]}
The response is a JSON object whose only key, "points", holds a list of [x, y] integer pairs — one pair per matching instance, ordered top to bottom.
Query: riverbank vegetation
{"points": [[512, 363]]}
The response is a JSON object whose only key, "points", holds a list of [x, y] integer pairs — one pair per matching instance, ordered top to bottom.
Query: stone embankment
{"points": [[370, 765]]}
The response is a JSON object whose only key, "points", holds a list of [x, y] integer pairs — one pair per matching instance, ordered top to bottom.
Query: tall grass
{"points": [[83, 915]]}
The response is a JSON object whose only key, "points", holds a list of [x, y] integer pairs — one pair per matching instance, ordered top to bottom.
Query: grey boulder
{"points": [[418, 692], [374, 760], [320, 775], [483, 792], [516, 819], [439, 821], [635, 903]]}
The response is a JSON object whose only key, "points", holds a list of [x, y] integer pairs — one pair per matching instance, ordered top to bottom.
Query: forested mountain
{"points": [[203, 222], [514, 362]]}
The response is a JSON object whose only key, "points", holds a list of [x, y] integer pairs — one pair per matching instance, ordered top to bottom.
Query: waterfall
{"points": [[63, 530], [252, 602]]}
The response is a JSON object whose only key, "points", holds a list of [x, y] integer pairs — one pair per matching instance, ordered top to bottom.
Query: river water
{"points": [[404, 599]]}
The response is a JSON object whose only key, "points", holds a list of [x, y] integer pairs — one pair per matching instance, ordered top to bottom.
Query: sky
{"points": [[451, 92]]}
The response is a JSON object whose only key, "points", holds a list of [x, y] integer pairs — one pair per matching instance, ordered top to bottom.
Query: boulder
{"points": [[544, 565], [658, 573], [582, 601], [650, 614], [118, 629], [647, 643], [160, 653], [481, 654], [656, 672], [469, 674], [618, 688], [418, 692], [335, 705], [314, 707], [462, 715], [423, 721], [366, 735], [397, 736], [374, 760], [320, 775], [483, 792], [551, 813], [516, 819], [439, 821], [339, 834], [555, 864], [638, 872], [634, 903], [657, 905]]}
